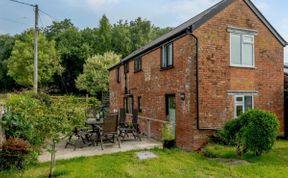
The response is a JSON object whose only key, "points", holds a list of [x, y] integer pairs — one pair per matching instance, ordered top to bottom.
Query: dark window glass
{"points": [[167, 56], [138, 64], [126, 67], [118, 74], [128, 103], [139, 104]]}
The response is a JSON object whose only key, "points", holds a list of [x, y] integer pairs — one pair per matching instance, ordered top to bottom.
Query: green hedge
{"points": [[255, 131]]}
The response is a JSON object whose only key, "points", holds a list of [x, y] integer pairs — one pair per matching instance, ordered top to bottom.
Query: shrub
{"points": [[259, 130], [167, 131], [255, 131], [15, 153]]}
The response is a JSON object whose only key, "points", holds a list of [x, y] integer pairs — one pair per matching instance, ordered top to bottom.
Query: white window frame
{"points": [[242, 42], [164, 57], [237, 103]]}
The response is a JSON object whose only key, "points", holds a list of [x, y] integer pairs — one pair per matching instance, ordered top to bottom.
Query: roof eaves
{"points": [[195, 22], [266, 22]]}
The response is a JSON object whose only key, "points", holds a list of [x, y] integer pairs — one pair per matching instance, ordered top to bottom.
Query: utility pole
{"points": [[36, 9], [35, 81]]}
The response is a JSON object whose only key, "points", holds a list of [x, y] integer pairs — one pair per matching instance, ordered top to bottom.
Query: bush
{"points": [[16, 126], [259, 130], [255, 131], [227, 136], [15, 153]]}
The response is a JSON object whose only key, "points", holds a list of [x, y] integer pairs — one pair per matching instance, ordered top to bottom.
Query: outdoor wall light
{"points": [[182, 96]]}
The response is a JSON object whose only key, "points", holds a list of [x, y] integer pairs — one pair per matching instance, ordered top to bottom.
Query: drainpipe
{"points": [[190, 32]]}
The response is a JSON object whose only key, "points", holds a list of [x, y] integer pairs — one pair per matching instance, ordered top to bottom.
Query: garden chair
{"points": [[132, 127], [109, 130], [81, 135]]}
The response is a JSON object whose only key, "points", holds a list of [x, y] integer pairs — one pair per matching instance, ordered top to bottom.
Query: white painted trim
{"points": [[238, 30], [241, 50], [242, 92], [243, 103]]}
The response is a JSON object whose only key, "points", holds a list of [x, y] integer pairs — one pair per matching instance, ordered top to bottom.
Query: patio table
{"points": [[96, 125]]}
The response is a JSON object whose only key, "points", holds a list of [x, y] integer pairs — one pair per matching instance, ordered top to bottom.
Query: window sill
{"points": [[242, 67], [166, 68], [137, 71]]}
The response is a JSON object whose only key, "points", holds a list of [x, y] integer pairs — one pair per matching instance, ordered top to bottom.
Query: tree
{"points": [[104, 35], [121, 41], [6, 46], [73, 51], [20, 64], [95, 74]]}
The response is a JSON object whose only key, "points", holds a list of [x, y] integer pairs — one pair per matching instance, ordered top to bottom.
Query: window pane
{"points": [[248, 39], [235, 49], [247, 54], [170, 55], [140, 63], [164, 63], [239, 98], [248, 103], [139, 104], [239, 110]]}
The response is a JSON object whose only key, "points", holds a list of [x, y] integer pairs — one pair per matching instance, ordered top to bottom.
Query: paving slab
{"points": [[127, 145], [146, 155]]}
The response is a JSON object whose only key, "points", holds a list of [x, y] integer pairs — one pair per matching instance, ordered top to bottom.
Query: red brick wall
{"points": [[216, 78], [152, 85]]}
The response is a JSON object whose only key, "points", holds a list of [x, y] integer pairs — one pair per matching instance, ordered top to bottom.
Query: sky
{"points": [[15, 18]]}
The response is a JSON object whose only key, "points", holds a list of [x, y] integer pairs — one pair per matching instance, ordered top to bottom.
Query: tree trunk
{"points": [[2, 132], [238, 150], [52, 162]]}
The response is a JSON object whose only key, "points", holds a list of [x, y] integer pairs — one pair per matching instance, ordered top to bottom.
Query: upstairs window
{"points": [[242, 50], [167, 56], [138, 64], [126, 67], [118, 74], [139, 104], [243, 104]]}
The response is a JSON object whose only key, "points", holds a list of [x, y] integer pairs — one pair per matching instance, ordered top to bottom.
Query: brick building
{"points": [[204, 72]]}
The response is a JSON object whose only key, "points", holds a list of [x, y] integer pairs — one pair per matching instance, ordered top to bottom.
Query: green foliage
{"points": [[6, 46], [73, 48], [20, 64], [95, 75], [38, 117], [16, 126], [259, 130], [255, 131], [167, 132], [227, 136], [15, 153], [170, 163]]}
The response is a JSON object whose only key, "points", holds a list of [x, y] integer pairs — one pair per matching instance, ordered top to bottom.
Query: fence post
{"points": [[148, 128], [2, 134]]}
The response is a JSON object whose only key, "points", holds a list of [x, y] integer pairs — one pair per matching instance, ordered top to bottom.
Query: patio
{"points": [[127, 145]]}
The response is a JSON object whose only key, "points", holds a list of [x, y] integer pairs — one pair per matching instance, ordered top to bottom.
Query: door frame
{"points": [[167, 110]]}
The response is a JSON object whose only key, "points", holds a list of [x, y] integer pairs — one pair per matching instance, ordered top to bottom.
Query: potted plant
{"points": [[168, 136]]}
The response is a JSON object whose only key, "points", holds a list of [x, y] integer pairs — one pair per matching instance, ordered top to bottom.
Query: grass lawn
{"points": [[170, 163]]}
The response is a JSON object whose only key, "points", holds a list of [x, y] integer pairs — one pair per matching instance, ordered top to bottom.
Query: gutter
{"points": [[190, 32]]}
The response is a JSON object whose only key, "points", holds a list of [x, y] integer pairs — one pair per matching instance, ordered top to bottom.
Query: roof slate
{"points": [[196, 22]]}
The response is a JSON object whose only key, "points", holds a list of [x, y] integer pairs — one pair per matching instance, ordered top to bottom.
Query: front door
{"points": [[171, 111]]}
